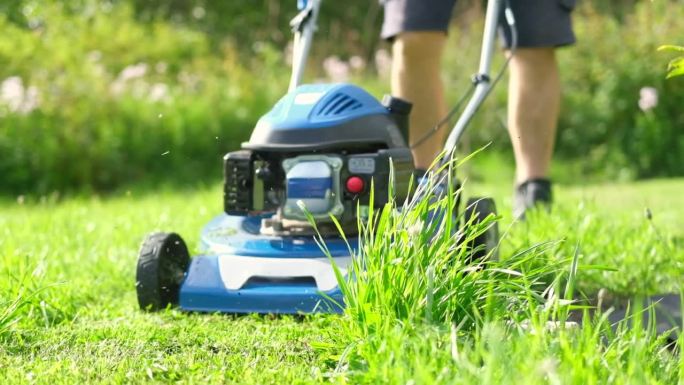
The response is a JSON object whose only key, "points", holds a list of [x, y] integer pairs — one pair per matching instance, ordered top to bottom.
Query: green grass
{"points": [[68, 312]]}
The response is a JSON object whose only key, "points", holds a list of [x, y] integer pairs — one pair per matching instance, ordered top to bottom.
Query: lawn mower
{"points": [[316, 154]]}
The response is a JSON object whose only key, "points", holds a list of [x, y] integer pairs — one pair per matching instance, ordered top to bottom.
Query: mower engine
{"points": [[323, 150]]}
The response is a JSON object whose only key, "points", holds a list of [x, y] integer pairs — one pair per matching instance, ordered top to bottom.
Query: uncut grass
{"points": [[73, 263], [414, 266], [421, 311]]}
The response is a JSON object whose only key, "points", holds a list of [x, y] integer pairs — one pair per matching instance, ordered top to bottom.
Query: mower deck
{"points": [[242, 271]]}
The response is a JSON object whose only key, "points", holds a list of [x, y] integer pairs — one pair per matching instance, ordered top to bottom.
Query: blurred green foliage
{"points": [[344, 27], [96, 94], [119, 100], [608, 120]]}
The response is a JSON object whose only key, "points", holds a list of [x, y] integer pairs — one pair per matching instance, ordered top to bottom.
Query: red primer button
{"points": [[355, 184]]}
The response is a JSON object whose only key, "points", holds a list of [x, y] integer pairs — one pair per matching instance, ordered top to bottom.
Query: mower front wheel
{"points": [[476, 211], [162, 263]]}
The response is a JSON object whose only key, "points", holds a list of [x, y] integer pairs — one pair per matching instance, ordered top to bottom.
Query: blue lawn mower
{"points": [[321, 148]]}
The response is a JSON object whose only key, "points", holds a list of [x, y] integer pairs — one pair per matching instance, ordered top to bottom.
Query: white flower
{"points": [[198, 12], [357, 63], [337, 70], [133, 72], [130, 78], [12, 92], [159, 92], [16, 97], [648, 98]]}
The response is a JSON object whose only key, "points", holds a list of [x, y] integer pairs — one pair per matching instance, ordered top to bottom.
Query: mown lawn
{"points": [[70, 265]]}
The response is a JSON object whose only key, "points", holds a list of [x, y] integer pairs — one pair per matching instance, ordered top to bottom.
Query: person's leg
{"points": [[417, 30], [416, 66], [534, 93], [533, 107]]}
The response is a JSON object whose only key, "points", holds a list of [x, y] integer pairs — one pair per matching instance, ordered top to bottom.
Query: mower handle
{"points": [[303, 25], [482, 80]]}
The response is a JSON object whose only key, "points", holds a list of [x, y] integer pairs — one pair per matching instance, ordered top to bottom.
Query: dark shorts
{"points": [[540, 23]]}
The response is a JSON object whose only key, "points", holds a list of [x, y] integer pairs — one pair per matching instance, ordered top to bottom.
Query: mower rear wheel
{"points": [[479, 208], [162, 262]]}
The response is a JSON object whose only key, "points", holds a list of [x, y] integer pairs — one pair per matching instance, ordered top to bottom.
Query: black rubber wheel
{"points": [[479, 209], [162, 263]]}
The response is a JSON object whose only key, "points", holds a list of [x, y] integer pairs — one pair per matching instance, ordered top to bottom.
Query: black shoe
{"points": [[530, 194]]}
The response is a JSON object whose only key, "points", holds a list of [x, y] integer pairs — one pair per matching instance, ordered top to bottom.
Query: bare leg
{"points": [[416, 66], [533, 107]]}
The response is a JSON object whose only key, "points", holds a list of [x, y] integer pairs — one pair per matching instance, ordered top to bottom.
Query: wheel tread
{"points": [[157, 250]]}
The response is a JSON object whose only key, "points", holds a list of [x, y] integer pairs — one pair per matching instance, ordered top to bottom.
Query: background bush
{"points": [[603, 82], [96, 94], [118, 99]]}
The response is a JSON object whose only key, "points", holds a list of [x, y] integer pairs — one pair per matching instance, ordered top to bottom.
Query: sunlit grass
{"points": [[68, 312]]}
